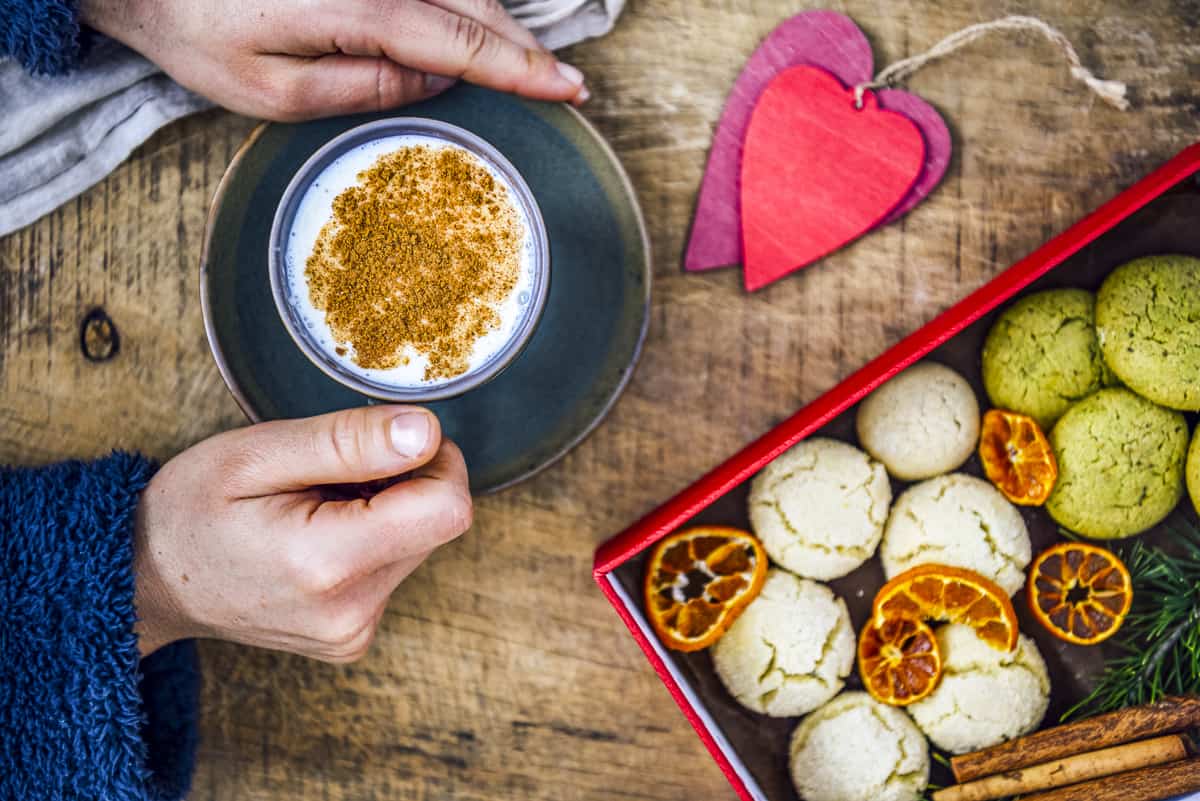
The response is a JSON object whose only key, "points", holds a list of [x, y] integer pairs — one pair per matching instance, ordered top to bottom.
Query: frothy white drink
{"points": [[316, 209]]}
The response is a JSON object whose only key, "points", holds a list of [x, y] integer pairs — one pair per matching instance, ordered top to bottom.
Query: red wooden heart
{"points": [[818, 172]]}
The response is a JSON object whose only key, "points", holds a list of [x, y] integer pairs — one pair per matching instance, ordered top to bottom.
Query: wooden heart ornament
{"points": [[824, 39], [818, 172]]}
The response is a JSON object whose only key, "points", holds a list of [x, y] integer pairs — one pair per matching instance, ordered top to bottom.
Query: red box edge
{"points": [[668, 516], [676, 692]]}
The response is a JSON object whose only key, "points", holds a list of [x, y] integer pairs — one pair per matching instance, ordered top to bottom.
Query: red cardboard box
{"points": [[1160, 214]]}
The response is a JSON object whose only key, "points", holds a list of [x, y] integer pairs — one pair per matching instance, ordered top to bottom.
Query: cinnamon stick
{"points": [[1171, 714], [1078, 768], [1147, 784]]}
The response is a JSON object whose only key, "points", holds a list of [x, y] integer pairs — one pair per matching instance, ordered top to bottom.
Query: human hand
{"points": [[296, 60], [239, 537]]}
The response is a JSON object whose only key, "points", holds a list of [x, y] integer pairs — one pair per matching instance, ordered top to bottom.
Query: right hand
{"points": [[289, 60], [239, 538]]}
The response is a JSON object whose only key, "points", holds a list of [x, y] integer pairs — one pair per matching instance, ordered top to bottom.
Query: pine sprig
{"points": [[1159, 642]]}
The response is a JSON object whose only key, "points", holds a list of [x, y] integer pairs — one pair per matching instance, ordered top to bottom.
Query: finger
{"points": [[495, 16], [430, 39], [304, 88], [350, 446], [447, 466], [429, 510], [407, 519], [375, 589], [340, 631], [350, 649]]}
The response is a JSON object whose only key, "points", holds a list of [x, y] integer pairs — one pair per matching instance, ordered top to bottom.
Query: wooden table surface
{"points": [[500, 672]]}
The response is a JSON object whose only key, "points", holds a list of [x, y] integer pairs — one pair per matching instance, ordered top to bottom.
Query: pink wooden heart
{"points": [[819, 38], [818, 172]]}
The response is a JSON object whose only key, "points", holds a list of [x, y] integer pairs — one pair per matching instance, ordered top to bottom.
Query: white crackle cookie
{"points": [[922, 423], [819, 509], [957, 520], [790, 650], [985, 696], [857, 749]]}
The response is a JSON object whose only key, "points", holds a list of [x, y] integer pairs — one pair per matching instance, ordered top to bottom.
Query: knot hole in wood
{"points": [[98, 337]]}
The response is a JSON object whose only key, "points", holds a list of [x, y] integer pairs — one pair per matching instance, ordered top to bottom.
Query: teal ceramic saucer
{"points": [[593, 325]]}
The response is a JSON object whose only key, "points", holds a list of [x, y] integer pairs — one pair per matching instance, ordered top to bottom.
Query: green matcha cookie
{"points": [[1148, 321], [1041, 355], [1120, 464], [1193, 470]]}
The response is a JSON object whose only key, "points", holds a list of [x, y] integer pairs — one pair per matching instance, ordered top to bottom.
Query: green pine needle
{"points": [[1159, 643]]}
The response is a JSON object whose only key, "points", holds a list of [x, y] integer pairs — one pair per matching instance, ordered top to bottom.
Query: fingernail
{"points": [[572, 74], [436, 84], [583, 96], [410, 433]]}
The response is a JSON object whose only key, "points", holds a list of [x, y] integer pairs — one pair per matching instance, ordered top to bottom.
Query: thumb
{"points": [[342, 84], [346, 447]]}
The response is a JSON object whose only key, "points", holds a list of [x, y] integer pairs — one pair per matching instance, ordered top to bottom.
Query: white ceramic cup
{"points": [[286, 285]]}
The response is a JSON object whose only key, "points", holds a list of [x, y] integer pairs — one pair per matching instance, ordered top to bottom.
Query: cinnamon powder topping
{"points": [[419, 255]]}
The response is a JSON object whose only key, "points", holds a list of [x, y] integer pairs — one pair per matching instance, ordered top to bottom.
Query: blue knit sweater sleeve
{"points": [[43, 35], [80, 718]]}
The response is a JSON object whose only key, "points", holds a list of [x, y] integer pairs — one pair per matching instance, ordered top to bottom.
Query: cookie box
{"points": [[1160, 214]]}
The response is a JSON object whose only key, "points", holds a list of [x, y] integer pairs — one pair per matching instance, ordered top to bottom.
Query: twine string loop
{"points": [[1111, 92]]}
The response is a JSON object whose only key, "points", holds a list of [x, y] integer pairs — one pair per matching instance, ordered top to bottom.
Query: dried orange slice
{"points": [[1017, 457], [699, 580], [1080, 592], [952, 594], [898, 660]]}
